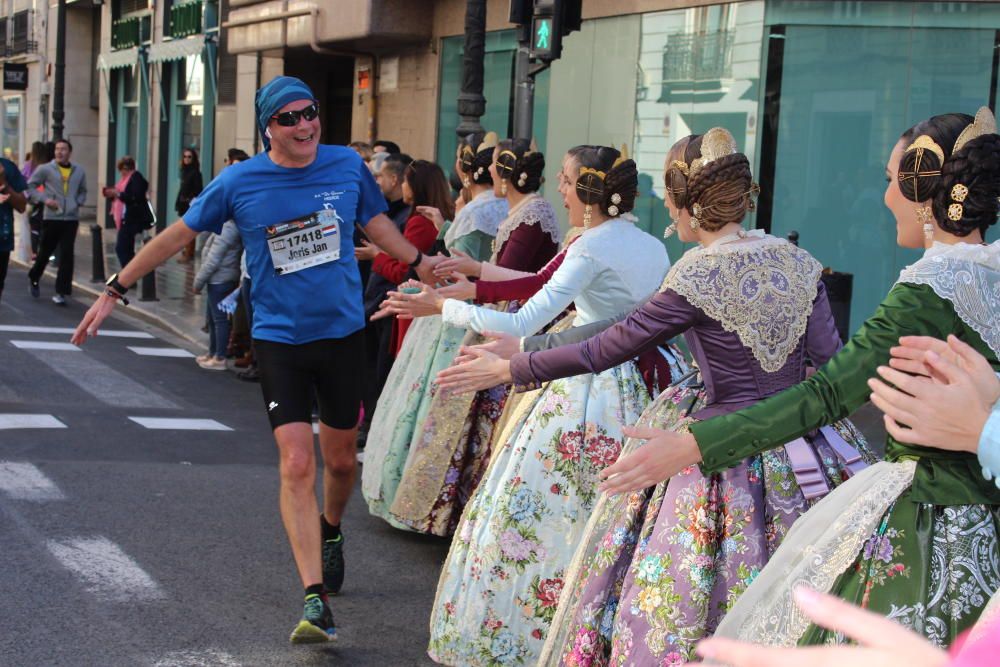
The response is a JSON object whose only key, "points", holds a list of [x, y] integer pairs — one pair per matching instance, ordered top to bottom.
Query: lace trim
{"points": [[531, 211], [484, 213], [967, 276], [761, 290], [457, 313], [821, 545]]}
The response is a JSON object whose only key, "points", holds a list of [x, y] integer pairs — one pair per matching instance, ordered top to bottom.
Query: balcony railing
{"points": [[186, 18], [130, 31], [17, 35], [691, 57]]}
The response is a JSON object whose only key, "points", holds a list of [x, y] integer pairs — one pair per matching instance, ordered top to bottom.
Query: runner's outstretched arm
{"points": [[384, 233], [166, 244]]}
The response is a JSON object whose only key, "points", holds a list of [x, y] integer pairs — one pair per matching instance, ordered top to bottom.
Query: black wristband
{"points": [[416, 262], [115, 285], [116, 296]]}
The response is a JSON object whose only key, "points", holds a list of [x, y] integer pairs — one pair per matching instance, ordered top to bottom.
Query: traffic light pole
{"points": [[524, 91]]}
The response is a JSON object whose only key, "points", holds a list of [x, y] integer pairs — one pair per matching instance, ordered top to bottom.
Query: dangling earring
{"points": [[466, 182], [503, 187], [586, 216], [695, 217], [926, 218], [670, 230]]}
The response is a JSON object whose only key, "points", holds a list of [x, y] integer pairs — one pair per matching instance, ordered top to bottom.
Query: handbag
{"points": [[151, 220]]}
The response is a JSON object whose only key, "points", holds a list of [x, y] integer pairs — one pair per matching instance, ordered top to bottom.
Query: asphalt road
{"points": [[122, 544]]}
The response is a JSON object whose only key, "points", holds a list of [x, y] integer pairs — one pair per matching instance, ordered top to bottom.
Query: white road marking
{"points": [[110, 333], [44, 345], [161, 352], [103, 382], [10, 420], [180, 424], [23, 481], [106, 570], [206, 658]]}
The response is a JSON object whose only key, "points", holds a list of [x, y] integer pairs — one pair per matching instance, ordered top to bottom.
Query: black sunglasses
{"points": [[291, 118]]}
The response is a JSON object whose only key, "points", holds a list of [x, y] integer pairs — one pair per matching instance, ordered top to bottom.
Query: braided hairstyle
{"points": [[475, 165], [529, 165], [923, 176], [723, 188], [616, 192]]}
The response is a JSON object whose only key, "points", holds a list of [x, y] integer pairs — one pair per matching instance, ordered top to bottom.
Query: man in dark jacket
{"points": [[64, 192]]}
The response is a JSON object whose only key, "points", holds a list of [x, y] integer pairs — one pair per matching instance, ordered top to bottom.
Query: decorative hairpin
{"points": [[984, 123], [489, 141], [717, 142], [926, 143], [622, 157], [680, 166], [958, 194]]}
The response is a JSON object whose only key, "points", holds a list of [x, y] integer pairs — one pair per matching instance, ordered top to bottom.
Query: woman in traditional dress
{"points": [[525, 239], [914, 538], [657, 569], [500, 583]]}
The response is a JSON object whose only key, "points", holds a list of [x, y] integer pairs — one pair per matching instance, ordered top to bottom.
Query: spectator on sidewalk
{"points": [[386, 146], [363, 149], [39, 156], [191, 186], [12, 187], [64, 191], [130, 208], [221, 268]]}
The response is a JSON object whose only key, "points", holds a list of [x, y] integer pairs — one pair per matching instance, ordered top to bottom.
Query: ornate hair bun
{"points": [[717, 142]]}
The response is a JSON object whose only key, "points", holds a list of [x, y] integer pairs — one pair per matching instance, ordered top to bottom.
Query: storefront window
{"points": [[698, 68], [846, 78], [12, 143]]}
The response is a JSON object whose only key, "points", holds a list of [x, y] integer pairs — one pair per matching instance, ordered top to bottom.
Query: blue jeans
{"points": [[218, 321]]}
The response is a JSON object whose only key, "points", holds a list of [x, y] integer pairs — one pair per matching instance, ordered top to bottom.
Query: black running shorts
{"points": [[330, 371]]}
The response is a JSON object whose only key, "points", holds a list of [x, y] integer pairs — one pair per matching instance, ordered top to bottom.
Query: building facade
{"points": [[815, 91]]}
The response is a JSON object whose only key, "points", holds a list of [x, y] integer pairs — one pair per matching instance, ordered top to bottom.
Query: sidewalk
{"points": [[177, 310]]}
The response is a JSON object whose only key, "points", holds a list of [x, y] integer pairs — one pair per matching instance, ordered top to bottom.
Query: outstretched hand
{"points": [[460, 262], [461, 288], [407, 306], [93, 319], [475, 369], [942, 392], [664, 455], [881, 642]]}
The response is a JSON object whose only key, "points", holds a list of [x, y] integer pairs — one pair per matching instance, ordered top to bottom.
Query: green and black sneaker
{"points": [[333, 564], [317, 624]]}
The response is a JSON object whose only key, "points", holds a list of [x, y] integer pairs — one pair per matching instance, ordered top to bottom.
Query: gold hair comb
{"points": [[984, 123], [489, 141]]}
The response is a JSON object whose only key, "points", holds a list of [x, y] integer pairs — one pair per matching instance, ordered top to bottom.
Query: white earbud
{"points": [[267, 132]]}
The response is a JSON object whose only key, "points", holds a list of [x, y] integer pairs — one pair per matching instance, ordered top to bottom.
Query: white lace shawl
{"points": [[533, 210], [484, 214], [968, 276], [762, 290]]}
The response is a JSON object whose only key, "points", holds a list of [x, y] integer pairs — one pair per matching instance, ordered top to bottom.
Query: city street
{"points": [[139, 518]]}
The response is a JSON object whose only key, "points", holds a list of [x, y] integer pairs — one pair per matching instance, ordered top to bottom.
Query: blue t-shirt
{"points": [[15, 183], [317, 302]]}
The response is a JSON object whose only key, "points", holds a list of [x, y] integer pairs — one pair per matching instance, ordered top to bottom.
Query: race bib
{"points": [[310, 241]]}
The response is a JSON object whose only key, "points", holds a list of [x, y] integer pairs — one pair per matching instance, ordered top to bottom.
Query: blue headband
{"points": [[278, 92]]}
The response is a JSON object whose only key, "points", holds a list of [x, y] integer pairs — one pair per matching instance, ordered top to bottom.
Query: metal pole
{"points": [[59, 86], [524, 90], [471, 103], [97, 253], [147, 289]]}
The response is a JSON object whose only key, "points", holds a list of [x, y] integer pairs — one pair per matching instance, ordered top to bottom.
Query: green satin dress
{"points": [[932, 560]]}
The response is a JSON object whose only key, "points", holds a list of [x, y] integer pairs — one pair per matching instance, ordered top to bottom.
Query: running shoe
{"points": [[33, 288], [59, 300], [333, 564], [317, 623]]}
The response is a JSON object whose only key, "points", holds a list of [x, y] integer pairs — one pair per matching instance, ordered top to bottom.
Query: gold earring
{"points": [[503, 187], [586, 216], [695, 217], [926, 218], [670, 231]]}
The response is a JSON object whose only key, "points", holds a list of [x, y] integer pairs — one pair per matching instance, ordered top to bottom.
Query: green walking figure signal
{"points": [[543, 35]]}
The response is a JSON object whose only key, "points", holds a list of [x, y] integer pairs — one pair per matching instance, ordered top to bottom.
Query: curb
{"points": [[135, 310]]}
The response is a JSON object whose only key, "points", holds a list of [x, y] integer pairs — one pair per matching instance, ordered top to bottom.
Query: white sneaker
{"points": [[59, 300]]}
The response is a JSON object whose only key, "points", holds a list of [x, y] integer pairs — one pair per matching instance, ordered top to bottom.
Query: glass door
{"points": [[187, 123]]}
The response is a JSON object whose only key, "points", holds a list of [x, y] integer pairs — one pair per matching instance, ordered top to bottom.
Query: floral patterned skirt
{"points": [[398, 414], [659, 568], [931, 568], [503, 577]]}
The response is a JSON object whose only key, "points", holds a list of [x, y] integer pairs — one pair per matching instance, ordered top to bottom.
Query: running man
{"points": [[296, 206]]}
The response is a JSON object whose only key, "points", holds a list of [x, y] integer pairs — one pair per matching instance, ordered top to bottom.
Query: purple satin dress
{"points": [[659, 568]]}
